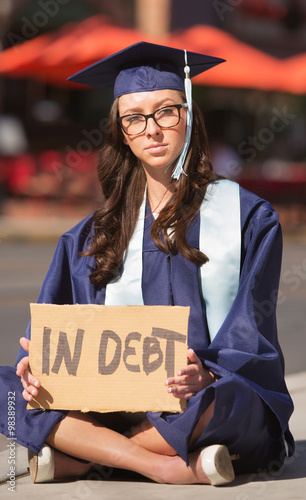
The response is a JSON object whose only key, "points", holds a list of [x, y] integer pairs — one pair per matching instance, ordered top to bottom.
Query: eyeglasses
{"points": [[166, 117]]}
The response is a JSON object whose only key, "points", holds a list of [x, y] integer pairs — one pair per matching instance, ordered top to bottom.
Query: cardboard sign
{"points": [[107, 358]]}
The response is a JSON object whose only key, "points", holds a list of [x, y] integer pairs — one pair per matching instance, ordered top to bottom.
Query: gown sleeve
{"points": [[246, 345]]}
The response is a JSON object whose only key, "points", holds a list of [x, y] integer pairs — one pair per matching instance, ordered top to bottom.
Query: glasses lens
{"points": [[167, 117], [134, 124]]}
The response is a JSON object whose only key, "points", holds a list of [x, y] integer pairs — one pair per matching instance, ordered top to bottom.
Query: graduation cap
{"points": [[145, 67]]}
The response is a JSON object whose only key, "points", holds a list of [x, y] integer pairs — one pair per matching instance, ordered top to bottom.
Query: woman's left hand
{"points": [[191, 379]]}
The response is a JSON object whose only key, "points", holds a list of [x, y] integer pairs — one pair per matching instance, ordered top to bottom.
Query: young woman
{"points": [[205, 243]]}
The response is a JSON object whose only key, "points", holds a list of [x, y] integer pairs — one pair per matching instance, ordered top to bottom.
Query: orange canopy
{"points": [[53, 57], [245, 66], [295, 68]]}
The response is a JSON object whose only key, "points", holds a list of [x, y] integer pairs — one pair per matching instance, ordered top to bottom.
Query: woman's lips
{"points": [[156, 148]]}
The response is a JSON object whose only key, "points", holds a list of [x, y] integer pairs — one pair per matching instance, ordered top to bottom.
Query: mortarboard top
{"points": [[144, 67]]}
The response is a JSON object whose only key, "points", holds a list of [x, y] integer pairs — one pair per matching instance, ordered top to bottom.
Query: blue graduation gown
{"points": [[252, 404]]}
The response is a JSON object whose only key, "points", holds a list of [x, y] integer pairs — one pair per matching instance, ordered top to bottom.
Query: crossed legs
{"points": [[142, 450]]}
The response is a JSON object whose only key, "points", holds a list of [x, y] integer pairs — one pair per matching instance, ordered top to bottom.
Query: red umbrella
{"points": [[85, 43], [53, 57], [17, 60], [246, 66], [295, 68]]}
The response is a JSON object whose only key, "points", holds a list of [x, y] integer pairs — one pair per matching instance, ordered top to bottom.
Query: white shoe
{"points": [[41, 464], [217, 464]]}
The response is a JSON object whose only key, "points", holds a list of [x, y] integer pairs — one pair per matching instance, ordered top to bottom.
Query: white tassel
{"points": [[179, 167]]}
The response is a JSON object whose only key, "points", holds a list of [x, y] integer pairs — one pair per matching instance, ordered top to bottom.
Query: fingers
{"points": [[25, 343], [192, 357], [22, 366], [194, 366], [189, 370], [189, 380], [29, 382], [30, 385], [184, 386], [182, 392], [27, 396]]}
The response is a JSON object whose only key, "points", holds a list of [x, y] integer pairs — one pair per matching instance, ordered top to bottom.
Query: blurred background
{"points": [[254, 105], [50, 131]]}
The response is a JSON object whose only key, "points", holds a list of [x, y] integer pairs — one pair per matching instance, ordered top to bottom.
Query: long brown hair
{"points": [[123, 181]]}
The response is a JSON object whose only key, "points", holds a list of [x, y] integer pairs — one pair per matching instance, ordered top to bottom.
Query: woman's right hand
{"points": [[29, 382]]}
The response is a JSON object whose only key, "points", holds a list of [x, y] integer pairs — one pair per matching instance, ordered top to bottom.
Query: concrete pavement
{"points": [[35, 228], [287, 484]]}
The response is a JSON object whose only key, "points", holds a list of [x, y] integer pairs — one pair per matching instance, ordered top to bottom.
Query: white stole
{"points": [[220, 240], [127, 289]]}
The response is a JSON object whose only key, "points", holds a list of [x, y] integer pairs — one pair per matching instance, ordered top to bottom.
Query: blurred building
{"points": [[274, 26], [62, 127]]}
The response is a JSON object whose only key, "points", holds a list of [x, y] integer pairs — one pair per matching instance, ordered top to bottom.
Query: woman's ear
{"points": [[125, 140]]}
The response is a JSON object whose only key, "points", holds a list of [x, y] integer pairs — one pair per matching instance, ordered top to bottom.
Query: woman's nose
{"points": [[152, 127]]}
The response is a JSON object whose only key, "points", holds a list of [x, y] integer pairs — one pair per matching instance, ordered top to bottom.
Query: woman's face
{"points": [[156, 148]]}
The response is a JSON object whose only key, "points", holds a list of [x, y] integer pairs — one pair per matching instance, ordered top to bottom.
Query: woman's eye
{"points": [[166, 111], [135, 118]]}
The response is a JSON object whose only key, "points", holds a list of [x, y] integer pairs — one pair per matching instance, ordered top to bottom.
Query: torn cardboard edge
{"points": [[107, 358]]}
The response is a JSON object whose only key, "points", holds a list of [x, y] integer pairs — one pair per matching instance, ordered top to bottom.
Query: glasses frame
{"points": [[152, 115]]}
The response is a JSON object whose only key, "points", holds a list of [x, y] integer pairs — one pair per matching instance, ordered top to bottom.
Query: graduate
{"points": [[169, 231]]}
